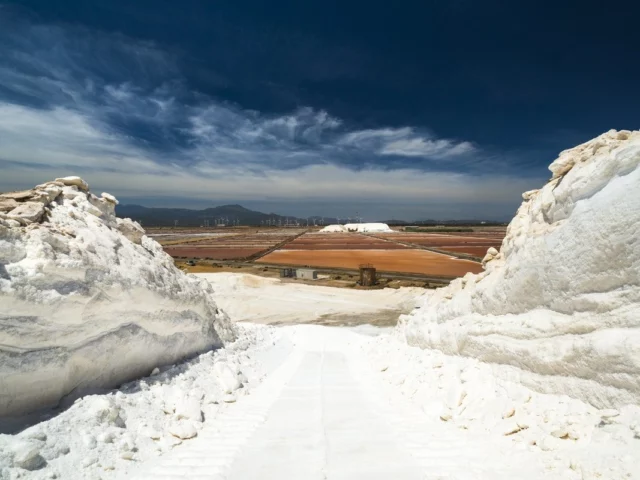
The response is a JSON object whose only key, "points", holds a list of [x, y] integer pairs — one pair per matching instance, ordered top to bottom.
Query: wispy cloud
{"points": [[135, 88], [117, 111], [60, 138], [405, 142], [67, 143]]}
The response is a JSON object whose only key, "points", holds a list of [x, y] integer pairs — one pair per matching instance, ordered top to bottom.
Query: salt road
{"points": [[324, 413]]}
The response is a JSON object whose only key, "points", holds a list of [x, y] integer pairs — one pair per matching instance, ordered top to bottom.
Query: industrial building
{"points": [[287, 273], [301, 273], [306, 274], [367, 275]]}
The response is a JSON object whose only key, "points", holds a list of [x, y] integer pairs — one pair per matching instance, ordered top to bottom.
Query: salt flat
{"points": [[250, 298], [308, 401], [346, 406], [325, 414]]}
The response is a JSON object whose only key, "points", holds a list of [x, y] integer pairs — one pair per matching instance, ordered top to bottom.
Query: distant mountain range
{"points": [[239, 215], [184, 217]]}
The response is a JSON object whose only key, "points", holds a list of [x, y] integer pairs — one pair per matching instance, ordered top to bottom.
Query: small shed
{"points": [[287, 273], [306, 274]]}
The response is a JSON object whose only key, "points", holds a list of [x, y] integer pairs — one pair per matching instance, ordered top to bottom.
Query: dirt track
{"points": [[337, 241], [475, 244], [345, 246], [229, 247], [477, 251], [215, 253], [406, 260]]}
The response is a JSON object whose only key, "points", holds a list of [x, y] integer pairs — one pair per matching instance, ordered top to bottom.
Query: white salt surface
{"points": [[357, 227], [87, 300], [268, 300], [558, 307], [305, 401], [322, 402], [473, 416], [107, 436]]}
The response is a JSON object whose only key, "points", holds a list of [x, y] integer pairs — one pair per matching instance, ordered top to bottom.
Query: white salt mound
{"points": [[357, 227], [333, 229], [88, 301], [558, 308]]}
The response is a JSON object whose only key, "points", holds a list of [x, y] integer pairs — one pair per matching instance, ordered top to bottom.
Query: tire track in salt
{"points": [[210, 454]]}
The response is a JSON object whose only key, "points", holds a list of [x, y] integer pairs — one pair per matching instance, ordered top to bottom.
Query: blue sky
{"points": [[406, 110]]}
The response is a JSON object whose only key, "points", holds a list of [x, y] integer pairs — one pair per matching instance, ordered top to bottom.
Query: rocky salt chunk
{"points": [[74, 181], [20, 196], [109, 198], [7, 204], [28, 212], [131, 230], [75, 256], [565, 280], [227, 377], [229, 398], [188, 408], [104, 410], [182, 429], [151, 433], [106, 437], [89, 441], [127, 443], [26, 455], [89, 460]]}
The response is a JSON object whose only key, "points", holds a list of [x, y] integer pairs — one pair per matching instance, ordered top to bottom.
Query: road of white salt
{"points": [[309, 401], [345, 405], [326, 414]]}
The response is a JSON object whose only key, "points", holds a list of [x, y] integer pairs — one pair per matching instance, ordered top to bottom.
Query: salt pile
{"points": [[357, 227], [333, 229], [87, 301], [558, 308], [110, 435]]}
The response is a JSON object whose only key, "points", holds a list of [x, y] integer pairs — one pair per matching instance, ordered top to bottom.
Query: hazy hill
{"points": [[229, 214]]}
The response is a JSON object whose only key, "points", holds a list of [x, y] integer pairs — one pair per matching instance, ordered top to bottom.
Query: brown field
{"points": [[184, 239], [339, 241], [472, 243], [238, 246], [347, 246], [396, 252], [212, 253], [404, 260]]}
